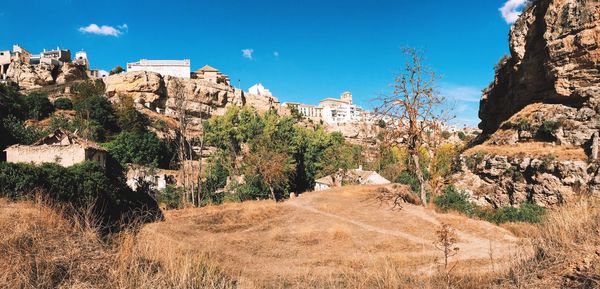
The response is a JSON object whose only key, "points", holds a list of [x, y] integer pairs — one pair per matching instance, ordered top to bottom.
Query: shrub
{"points": [[117, 70], [63, 103], [37, 106], [97, 108], [547, 129], [21, 133], [446, 134], [461, 135], [137, 148], [475, 159], [514, 173], [410, 179], [82, 186], [171, 197], [454, 200], [528, 212]]}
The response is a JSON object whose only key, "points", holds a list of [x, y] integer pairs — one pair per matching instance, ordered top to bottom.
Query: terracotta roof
{"points": [[207, 68]]}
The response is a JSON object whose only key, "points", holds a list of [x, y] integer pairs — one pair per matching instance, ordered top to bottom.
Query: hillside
{"points": [[331, 234]]}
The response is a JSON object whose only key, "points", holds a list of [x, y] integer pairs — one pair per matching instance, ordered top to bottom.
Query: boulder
{"points": [[31, 76]]}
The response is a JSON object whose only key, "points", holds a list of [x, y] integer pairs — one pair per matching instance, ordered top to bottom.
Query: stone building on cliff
{"points": [[175, 68], [211, 75], [60, 147]]}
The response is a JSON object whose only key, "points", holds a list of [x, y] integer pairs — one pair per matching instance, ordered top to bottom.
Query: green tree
{"points": [[117, 70], [63, 103], [37, 105], [137, 148]]}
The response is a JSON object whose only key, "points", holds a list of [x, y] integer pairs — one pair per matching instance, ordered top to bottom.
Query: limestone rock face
{"points": [[554, 59], [70, 72], [30, 77], [142, 87], [165, 94], [500, 181]]}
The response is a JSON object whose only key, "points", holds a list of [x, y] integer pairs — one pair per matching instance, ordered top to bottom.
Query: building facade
{"points": [[175, 68], [211, 74]]}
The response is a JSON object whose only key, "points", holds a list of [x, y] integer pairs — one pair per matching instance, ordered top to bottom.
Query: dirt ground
{"points": [[328, 233]]}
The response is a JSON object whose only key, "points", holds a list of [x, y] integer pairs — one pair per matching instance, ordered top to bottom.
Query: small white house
{"points": [[356, 176]]}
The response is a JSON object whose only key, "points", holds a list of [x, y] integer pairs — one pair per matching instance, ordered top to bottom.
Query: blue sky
{"points": [[303, 50]]}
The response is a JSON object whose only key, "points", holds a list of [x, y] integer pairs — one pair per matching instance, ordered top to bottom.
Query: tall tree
{"points": [[414, 111]]}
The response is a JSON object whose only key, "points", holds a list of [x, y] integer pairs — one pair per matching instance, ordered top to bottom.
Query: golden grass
{"points": [[531, 150], [285, 246], [40, 249]]}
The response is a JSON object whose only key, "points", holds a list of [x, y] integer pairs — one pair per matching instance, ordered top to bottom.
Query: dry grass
{"points": [[531, 150], [340, 238], [332, 239], [40, 249], [567, 250]]}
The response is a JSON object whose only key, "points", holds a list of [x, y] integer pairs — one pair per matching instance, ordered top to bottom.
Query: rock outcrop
{"points": [[554, 59], [29, 76], [202, 99], [541, 115]]}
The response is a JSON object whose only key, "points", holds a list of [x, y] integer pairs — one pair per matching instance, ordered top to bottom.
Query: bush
{"points": [[63, 103], [37, 106], [97, 108], [19, 132], [461, 135], [137, 148], [410, 179], [82, 186], [171, 197], [454, 200], [528, 212]]}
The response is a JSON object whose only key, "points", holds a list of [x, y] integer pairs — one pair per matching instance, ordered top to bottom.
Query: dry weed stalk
{"points": [[446, 242]]}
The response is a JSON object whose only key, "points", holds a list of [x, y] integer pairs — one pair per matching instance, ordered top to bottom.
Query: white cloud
{"points": [[511, 10], [104, 30], [247, 53], [276, 53], [461, 93]]}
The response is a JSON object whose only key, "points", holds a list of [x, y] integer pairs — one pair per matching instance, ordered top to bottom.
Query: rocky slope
{"points": [[37, 76], [202, 98], [541, 114]]}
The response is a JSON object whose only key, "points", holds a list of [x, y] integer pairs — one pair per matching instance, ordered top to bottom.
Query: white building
{"points": [[82, 59], [176, 68], [260, 90], [307, 110], [340, 111]]}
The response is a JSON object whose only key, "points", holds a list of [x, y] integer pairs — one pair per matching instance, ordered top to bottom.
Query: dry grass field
{"points": [[328, 235], [340, 238]]}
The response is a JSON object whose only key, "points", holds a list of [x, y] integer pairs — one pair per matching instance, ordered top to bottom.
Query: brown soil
{"points": [[532, 150]]}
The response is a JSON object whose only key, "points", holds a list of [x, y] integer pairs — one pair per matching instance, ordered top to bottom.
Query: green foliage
{"points": [[88, 88], [63, 103], [37, 106], [97, 109], [129, 118], [381, 123], [547, 129], [21, 133], [461, 135], [277, 145], [137, 148], [475, 159], [547, 161], [514, 173], [216, 178], [410, 179], [82, 186], [171, 197], [454, 200], [527, 212]]}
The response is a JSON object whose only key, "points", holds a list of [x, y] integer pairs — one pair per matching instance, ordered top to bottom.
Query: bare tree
{"points": [[177, 89], [413, 111], [446, 242]]}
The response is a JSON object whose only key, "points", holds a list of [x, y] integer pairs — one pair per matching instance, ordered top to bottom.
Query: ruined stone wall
{"points": [[62, 155]]}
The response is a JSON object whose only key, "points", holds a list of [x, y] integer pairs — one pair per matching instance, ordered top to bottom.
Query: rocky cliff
{"points": [[554, 58], [36, 76], [202, 98], [541, 114]]}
